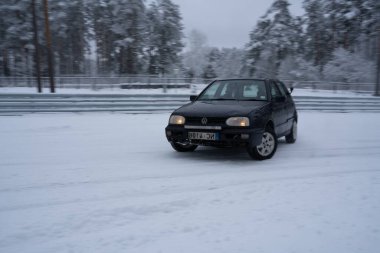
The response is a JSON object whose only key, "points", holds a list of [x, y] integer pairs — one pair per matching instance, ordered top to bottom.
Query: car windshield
{"points": [[235, 90]]}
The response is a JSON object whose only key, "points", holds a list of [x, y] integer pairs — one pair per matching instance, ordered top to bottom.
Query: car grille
{"points": [[210, 121]]}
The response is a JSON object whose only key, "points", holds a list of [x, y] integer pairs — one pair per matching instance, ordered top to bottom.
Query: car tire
{"points": [[292, 137], [181, 147], [267, 148]]}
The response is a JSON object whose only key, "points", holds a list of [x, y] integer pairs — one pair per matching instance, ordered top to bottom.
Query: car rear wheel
{"points": [[292, 137], [183, 147], [267, 148]]}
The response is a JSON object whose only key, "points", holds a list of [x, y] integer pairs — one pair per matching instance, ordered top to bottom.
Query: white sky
{"points": [[227, 23]]}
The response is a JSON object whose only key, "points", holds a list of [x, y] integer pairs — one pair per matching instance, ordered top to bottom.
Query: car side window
{"points": [[282, 88], [274, 90]]}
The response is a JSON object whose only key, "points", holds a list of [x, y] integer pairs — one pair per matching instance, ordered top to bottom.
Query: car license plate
{"points": [[203, 136]]}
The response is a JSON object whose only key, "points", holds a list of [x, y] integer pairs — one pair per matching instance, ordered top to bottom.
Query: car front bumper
{"points": [[227, 136]]}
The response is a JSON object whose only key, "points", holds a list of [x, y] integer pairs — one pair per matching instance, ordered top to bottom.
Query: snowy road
{"points": [[111, 183]]}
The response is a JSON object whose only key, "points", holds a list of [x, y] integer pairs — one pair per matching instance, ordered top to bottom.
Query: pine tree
{"points": [[343, 18], [369, 19], [102, 21], [351, 25], [128, 28], [119, 30], [69, 32], [16, 36], [165, 37], [319, 37], [152, 38], [273, 39], [212, 57], [196, 58], [229, 63], [347, 66], [4, 70], [209, 72]]}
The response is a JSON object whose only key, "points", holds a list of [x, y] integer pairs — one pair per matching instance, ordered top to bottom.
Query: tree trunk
{"points": [[49, 47], [36, 48], [7, 71]]}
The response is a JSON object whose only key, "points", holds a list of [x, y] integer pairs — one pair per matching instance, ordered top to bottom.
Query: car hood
{"points": [[215, 108]]}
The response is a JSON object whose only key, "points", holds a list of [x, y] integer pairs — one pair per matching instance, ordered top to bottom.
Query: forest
{"points": [[335, 40]]}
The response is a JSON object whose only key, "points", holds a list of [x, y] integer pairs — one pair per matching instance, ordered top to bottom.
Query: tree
{"points": [[369, 19], [101, 21], [348, 24], [128, 27], [69, 34], [119, 34], [16, 37], [165, 37], [319, 37], [152, 38], [273, 39], [197, 40], [196, 57], [229, 62], [349, 67], [296, 68], [4, 70], [209, 72]]}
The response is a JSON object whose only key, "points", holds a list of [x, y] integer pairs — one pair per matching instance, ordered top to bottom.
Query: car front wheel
{"points": [[183, 147], [267, 147]]}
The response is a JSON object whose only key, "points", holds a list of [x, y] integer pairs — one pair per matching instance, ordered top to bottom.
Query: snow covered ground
{"points": [[111, 183]]}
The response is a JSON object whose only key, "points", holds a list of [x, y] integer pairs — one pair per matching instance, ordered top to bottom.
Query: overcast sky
{"points": [[227, 23]]}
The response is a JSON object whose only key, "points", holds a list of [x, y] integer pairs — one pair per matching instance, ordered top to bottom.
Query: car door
{"points": [[289, 105], [278, 108]]}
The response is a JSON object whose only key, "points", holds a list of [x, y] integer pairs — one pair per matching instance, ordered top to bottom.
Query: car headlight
{"points": [[177, 120], [238, 121]]}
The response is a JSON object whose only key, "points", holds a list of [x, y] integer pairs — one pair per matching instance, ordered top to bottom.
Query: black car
{"points": [[236, 112]]}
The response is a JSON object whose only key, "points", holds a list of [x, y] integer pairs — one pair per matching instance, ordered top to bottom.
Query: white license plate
{"points": [[203, 136]]}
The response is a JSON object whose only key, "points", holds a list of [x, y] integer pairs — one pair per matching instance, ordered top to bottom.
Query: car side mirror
{"points": [[291, 90], [193, 98]]}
